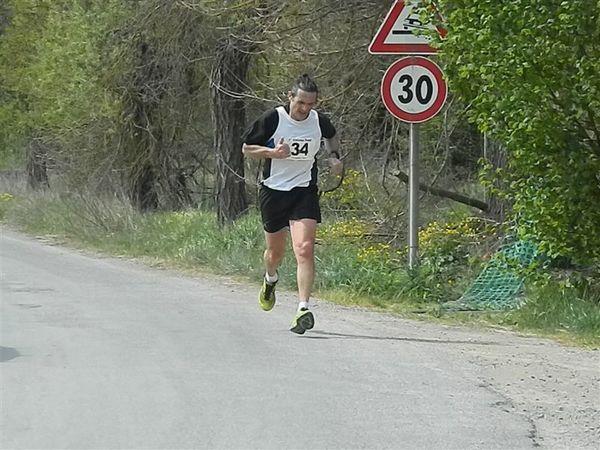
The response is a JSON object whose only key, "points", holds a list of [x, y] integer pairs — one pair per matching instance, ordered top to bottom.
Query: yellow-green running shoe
{"points": [[266, 296], [304, 320]]}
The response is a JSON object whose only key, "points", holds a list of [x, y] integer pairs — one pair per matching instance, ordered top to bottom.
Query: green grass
{"points": [[6, 202], [194, 240], [557, 312]]}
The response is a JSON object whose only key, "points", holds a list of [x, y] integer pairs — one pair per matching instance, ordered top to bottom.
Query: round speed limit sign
{"points": [[413, 89]]}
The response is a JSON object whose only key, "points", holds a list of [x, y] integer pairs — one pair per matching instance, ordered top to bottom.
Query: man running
{"points": [[288, 139]]}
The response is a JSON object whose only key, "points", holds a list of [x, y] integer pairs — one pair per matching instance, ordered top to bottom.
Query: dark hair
{"points": [[305, 83]]}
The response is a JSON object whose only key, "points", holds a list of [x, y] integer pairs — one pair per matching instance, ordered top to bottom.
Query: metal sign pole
{"points": [[414, 105], [413, 197]]}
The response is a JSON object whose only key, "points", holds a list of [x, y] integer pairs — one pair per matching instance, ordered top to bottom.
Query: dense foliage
{"points": [[530, 70], [50, 77]]}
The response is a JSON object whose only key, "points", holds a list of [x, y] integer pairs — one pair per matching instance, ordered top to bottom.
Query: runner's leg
{"points": [[303, 234], [275, 250]]}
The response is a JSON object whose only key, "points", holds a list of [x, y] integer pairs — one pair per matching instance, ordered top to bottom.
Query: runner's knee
{"points": [[304, 250]]}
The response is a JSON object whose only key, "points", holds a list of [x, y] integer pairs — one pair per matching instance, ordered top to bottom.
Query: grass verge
{"points": [[350, 271]]}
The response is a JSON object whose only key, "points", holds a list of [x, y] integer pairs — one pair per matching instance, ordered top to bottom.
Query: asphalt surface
{"points": [[102, 353]]}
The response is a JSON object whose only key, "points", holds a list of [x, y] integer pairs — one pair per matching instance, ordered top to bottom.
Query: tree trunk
{"points": [[5, 17], [228, 82], [143, 134], [37, 173], [143, 190], [178, 192], [446, 194]]}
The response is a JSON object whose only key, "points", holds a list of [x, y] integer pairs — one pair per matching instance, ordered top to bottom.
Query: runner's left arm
{"points": [[332, 145]]}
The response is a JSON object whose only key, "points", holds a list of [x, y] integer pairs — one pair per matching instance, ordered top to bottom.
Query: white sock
{"points": [[271, 279], [302, 305]]}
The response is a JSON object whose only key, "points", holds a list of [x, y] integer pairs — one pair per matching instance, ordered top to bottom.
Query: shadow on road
{"points": [[330, 335], [8, 353]]}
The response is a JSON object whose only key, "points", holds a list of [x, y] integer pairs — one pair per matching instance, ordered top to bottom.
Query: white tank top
{"points": [[304, 139]]}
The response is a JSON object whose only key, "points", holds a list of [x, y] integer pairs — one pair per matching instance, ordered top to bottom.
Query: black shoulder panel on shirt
{"points": [[263, 128], [327, 128]]}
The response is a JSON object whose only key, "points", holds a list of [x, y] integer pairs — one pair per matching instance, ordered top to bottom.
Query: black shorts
{"points": [[277, 208]]}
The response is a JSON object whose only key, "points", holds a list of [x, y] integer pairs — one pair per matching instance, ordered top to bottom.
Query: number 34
{"points": [[298, 149]]}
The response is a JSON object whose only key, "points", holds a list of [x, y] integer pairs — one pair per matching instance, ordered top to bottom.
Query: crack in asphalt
{"points": [[507, 405]]}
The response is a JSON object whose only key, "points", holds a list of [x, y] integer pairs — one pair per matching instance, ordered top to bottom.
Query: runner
{"points": [[288, 139]]}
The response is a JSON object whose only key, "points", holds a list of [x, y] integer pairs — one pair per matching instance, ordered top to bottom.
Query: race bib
{"points": [[300, 149]]}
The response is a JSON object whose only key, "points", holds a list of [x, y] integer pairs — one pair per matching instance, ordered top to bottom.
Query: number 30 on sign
{"points": [[413, 89]]}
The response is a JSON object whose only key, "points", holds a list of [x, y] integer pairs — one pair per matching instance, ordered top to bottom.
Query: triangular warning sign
{"points": [[396, 34]]}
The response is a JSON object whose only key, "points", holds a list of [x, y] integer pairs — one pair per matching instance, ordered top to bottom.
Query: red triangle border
{"points": [[378, 45]]}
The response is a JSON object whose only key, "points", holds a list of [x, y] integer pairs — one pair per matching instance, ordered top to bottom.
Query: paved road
{"points": [[104, 353]]}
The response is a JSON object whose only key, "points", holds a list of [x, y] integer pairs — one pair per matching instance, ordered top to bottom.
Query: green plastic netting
{"points": [[498, 285]]}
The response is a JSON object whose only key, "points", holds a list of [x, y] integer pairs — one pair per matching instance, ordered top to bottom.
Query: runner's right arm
{"points": [[258, 142], [281, 151]]}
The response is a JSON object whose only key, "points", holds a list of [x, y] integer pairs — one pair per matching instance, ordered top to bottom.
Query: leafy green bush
{"points": [[539, 97], [350, 195], [449, 254]]}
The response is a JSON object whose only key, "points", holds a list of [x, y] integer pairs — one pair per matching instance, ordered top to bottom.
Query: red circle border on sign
{"points": [[386, 86]]}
